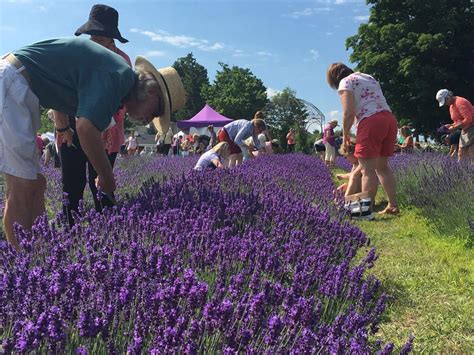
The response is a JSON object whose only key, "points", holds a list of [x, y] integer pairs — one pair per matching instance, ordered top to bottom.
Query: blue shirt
{"points": [[78, 77], [240, 130]]}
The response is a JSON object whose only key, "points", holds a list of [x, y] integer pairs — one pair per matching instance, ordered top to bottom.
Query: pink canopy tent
{"points": [[207, 116]]}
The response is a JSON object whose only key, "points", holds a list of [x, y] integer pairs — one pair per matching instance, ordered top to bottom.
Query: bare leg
{"points": [[466, 153], [232, 159], [239, 159], [369, 176], [387, 179], [354, 185], [38, 199], [20, 206]]}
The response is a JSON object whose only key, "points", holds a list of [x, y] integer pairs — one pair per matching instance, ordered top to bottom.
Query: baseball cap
{"points": [[441, 96]]}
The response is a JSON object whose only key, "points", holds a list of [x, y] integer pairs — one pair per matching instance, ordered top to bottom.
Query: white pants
{"points": [[19, 122], [330, 152]]}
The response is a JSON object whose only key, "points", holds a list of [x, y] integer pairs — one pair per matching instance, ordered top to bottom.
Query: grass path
{"points": [[430, 279]]}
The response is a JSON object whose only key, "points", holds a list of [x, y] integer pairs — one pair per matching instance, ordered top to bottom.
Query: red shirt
{"points": [[461, 110], [290, 138], [39, 144]]}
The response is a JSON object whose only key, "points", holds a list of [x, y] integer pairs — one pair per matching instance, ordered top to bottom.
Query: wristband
{"points": [[62, 130]]}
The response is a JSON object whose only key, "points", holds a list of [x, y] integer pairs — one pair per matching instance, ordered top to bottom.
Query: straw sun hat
{"points": [[174, 95]]}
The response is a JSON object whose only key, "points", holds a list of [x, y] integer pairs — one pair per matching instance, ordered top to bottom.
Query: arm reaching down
{"points": [[91, 142]]}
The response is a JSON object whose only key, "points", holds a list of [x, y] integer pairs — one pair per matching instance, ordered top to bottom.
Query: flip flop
{"points": [[390, 210]]}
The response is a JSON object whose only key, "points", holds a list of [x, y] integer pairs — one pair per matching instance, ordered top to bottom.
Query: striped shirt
{"points": [[240, 130]]}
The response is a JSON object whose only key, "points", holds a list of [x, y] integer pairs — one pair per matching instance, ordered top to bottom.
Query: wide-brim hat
{"points": [[103, 21], [172, 89], [335, 122]]}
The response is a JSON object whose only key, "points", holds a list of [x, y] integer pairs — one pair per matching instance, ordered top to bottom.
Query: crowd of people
{"points": [[89, 86]]}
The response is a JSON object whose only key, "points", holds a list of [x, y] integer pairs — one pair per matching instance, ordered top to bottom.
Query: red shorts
{"points": [[223, 136], [376, 136]]}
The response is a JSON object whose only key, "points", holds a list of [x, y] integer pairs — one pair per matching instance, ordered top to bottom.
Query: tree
{"points": [[415, 48], [194, 77], [236, 92], [286, 111], [47, 125]]}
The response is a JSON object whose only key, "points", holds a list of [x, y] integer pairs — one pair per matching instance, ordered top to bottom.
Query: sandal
{"points": [[390, 210]]}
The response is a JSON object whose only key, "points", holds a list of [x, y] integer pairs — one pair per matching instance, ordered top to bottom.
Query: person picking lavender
{"points": [[76, 77], [363, 103], [462, 115]]}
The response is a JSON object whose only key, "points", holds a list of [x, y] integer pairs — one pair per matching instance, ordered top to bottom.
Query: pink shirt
{"points": [[368, 96], [462, 111], [114, 136], [39, 144]]}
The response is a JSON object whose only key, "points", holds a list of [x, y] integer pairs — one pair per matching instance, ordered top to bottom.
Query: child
{"points": [[214, 158]]}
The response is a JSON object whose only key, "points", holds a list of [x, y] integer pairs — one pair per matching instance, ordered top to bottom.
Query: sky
{"points": [[285, 43]]}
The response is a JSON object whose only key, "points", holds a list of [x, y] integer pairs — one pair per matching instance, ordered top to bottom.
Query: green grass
{"points": [[430, 279]]}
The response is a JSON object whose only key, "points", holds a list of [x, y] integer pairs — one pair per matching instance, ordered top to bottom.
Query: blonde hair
{"points": [[222, 149], [349, 151]]}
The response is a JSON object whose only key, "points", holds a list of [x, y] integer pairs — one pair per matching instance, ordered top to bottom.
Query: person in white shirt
{"points": [[214, 158]]}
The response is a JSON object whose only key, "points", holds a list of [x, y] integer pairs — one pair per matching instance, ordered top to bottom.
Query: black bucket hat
{"points": [[103, 21]]}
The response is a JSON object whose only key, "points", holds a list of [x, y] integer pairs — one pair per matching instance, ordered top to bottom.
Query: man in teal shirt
{"points": [[76, 77]]}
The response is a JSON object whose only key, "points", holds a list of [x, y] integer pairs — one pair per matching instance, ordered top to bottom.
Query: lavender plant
{"points": [[252, 259]]}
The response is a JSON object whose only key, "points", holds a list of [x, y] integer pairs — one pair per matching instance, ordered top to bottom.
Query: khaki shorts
{"points": [[19, 122], [467, 137]]}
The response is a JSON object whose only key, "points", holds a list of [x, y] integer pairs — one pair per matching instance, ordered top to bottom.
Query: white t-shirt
{"points": [[368, 96], [132, 143], [206, 160]]}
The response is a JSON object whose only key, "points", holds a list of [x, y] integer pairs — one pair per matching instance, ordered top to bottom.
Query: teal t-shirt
{"points": [[78, 76]]}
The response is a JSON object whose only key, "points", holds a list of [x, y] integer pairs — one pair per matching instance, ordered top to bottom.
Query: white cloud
{"points": [[340, 2], [43, 8], [309, 11], [362, 18], [7, 28], [181, 41], [239, 53], [150, 54], [264, 54], [314, 54], [272, 92], [334, 114]]}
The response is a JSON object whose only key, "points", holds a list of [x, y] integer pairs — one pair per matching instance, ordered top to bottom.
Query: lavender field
{"points": [[254, 259]]}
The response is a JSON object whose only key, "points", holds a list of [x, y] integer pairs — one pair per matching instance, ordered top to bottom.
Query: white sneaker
{"points": [[360, 210]]}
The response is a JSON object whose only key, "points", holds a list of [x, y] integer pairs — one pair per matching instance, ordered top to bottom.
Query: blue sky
{"points": [[284, 43]]}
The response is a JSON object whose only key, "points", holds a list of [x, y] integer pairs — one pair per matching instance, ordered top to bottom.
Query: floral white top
{"points": [[368, 96]]}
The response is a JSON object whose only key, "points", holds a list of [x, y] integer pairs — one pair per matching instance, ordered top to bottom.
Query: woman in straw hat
{"points": [[80, 78], [363, 103], [329, 141], [214, 158]]}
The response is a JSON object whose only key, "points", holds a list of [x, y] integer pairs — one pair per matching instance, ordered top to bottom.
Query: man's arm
{"points": [[61, 123], [91, 142]]}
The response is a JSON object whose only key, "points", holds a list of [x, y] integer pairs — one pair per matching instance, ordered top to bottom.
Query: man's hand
{"points": [[452, 128], [65, 137], [91, 142], [107, 185]]}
